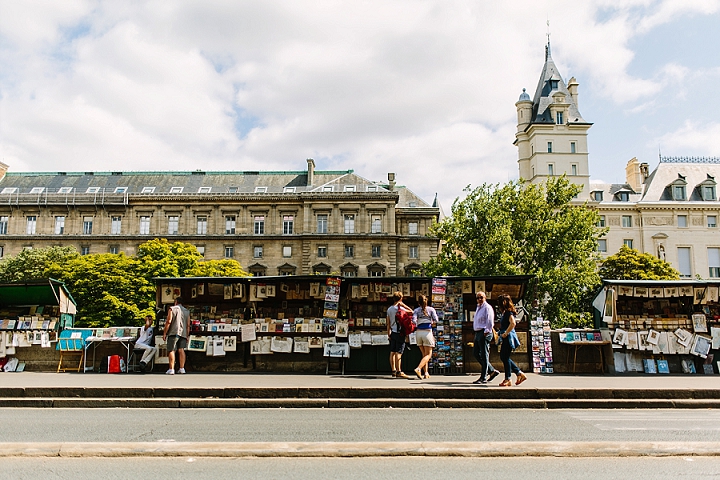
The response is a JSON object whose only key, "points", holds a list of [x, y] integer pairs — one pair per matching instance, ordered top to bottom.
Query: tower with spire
{"points": [[551, 134]]}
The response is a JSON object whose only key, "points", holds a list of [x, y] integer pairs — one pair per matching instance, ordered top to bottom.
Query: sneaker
{"points": [[142, 366], [182, 370], [170, 372], [417, 372], [394, 374], [401, 375], [426, 376], [492, 376], [520, 378], [480, 381], [506, 383]]}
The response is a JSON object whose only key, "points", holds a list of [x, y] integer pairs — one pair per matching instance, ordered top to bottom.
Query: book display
{"points": [[308, 318], [661, 327], [542, 355]]}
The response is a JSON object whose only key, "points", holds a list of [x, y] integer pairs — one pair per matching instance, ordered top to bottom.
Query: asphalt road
{"points": [[354, 425], [637, 468]]}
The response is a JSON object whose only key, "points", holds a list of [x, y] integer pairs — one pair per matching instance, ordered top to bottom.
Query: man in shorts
{"points": [[177, 330], [396, 336]]}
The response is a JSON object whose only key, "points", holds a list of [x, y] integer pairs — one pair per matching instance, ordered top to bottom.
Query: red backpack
{"points": [[404, 319]]}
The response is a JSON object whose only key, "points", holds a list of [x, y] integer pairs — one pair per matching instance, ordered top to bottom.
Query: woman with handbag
{"points": [[424, 317], [509, 341]]}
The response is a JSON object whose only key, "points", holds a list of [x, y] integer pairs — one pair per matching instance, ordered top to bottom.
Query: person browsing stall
{"points": [[424, 317], [484, 325], [177, 330], [397, 338], [509, 341]]}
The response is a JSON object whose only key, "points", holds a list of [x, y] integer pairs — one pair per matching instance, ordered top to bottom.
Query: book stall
{"points": [[32, 314], [301, 323], [660, 327]]}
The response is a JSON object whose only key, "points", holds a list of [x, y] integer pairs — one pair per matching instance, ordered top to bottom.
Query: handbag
{"points": [[495, 336]]}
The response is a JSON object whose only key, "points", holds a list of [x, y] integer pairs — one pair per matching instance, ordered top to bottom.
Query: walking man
{"points": [[484, 324], [177, 330]]}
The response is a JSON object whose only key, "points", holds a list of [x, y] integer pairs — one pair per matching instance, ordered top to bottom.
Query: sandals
{"points": [[418, 373], [520, 378], [505, 383]]}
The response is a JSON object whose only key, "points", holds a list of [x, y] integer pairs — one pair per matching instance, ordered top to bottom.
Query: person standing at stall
{"points": [[424, 317], [484, 326], [177, 330], [396, 336], [509, 341], [144, 342]]}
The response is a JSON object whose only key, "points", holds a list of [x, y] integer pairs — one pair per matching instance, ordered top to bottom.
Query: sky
{"points": [[425, 89]]}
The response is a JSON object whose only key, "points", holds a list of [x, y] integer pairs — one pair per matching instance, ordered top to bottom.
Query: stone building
{"points": [[671, 212], [273, 223]]}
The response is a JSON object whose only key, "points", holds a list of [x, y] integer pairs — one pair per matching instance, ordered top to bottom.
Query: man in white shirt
{"points": [[484, 324], [144, 341]]}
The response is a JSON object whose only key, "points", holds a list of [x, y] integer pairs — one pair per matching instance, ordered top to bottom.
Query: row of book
{"points": [[29, 323]]}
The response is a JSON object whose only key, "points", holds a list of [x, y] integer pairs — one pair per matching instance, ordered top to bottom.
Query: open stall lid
{"points": [[38, 292]]}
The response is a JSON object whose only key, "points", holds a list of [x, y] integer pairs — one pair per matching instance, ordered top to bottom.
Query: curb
{"points": [[497, 403], [360, 449]]}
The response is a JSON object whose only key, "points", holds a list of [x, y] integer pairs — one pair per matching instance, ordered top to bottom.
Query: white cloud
{"points": [[692, 139]]}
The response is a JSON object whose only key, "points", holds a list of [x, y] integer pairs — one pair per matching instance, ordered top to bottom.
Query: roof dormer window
{"points": [[553, 84], [559, 118], [327, 188], [349, 188], [372, 188], [678, 188], [121, 189], [176, 189], [204, 189], [232, 189], [260, 189], [288, 189], [707, 189], [9, 190], [37, 190], [65, 190], [92, 190], [148, 190], [597, 195], [623, 196]]}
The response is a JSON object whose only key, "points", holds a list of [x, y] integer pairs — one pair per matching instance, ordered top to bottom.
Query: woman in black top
{"points": [[510, 341]]}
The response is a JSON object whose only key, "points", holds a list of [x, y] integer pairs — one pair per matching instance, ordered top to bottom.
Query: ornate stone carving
{"points": [[658, 221]]}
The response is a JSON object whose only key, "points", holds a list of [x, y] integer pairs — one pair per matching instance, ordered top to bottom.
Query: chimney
{"points": [[573, 89], [3, 170], [311, 172], [633, 174], [391, 181]]}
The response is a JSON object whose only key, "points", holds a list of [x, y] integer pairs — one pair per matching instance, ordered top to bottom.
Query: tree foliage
{"points": [[531, 229], [630, 264], [115, 289]]}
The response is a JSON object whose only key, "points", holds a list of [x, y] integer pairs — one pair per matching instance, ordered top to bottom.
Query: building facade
{"points": [[671, 212], [273, 223]]}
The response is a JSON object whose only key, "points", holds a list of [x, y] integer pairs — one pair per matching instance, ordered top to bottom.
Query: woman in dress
{"points": [[423, 318], [509, 341]]}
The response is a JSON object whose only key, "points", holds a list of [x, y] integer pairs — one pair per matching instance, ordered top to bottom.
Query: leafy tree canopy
{"points": [[532, 229], [160, 258], [32, 263], [630, 264], [218, 268]]}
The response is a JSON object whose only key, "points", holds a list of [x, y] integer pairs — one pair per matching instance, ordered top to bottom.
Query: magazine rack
{"points": [[70, 348]]}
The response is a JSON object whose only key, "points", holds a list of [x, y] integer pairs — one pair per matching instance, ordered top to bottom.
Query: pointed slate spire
{"points": [[550, 83]]}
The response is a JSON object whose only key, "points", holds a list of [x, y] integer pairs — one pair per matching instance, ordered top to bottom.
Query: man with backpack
{"points": [[396, 333]]}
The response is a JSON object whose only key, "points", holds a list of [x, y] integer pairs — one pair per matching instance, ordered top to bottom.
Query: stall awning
{"points": [[37, 292]]}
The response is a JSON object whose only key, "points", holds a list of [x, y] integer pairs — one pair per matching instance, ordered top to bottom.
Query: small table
{"points": [[95, 341], [584, 343]]}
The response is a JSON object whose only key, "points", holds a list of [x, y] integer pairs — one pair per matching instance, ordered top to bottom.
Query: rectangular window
{"points": [[559, 118], [549, 147], [573, 147], [551, 169], [573, 169], [327, 188], [349, 188], [371, 188], [37, 189], [121, 189], [176, 189], [204, 189], [232, 189], [260, 189], [288, 189], [9, 190], [65, 190], [92, 190], [148, 190], [678, 192], [708, 193], [598, 196], [288, 221], [349, 221], [626, 221], [682, 221], [712, 221], [601, 222], [322, 223], [376, 224], [4, 225], [31, 225], [59, 225], [87, 225], [115, 225], [144, 225], [173, 225], [202, 225], [230, 225], [259, 225], [412, 228], [628, 242], [602, 245], [114, 249], [200, 249], [85, 250], [229, 251], [257, 251], [287, 251], [322, 251], [349, 251], [375, 251], [413, 251], [685, 262], [714, 262]]}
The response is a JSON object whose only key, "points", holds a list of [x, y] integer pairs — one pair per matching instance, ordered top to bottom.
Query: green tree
{"points": [[532, 229], [160, 258], [33, 263], [630, 264], [218, 268], [110, 289]]}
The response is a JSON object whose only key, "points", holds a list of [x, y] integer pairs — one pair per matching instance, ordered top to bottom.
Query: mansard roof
{"points": [[544, 91], [693, 174]]}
